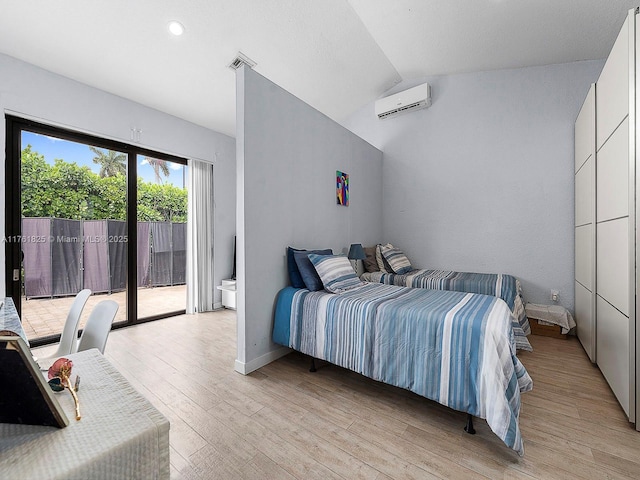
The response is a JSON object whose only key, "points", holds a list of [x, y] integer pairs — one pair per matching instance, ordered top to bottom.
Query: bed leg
{"points": [[313, 365], [469, 426]]}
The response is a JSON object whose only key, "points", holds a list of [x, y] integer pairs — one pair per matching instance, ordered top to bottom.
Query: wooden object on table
{"points": [[26, 396]]}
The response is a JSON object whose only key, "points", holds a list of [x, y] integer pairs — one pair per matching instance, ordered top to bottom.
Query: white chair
{"points": [[96, 331], [68, 339]]}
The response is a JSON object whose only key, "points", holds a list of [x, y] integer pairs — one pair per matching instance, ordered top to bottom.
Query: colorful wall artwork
{"points": [[342, 188]]}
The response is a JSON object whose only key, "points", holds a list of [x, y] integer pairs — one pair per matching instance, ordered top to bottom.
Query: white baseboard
{"points": [[217, 306], [256, 363]]}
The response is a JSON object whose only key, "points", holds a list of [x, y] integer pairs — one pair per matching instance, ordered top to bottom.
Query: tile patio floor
{"points": [[46, 316]]}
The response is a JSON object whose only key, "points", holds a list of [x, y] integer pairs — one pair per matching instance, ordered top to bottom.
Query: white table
{"points": [[120, 436]]}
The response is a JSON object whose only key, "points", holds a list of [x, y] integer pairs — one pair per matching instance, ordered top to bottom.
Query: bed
{"points": [[387, 264], [455, 348]]}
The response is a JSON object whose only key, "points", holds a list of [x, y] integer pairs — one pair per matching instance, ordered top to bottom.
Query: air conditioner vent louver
{"points": [[240, 60], [414, 98], [412, 106]]}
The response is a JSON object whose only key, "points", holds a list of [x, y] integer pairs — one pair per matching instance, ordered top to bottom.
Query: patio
{"points": [[46, 316]]}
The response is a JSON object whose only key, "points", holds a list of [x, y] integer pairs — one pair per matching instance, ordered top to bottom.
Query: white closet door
{"points": [[612, 102], [585, 161], [613, 175], [585, 192], [615, 246], [585, 257], [613, 264], [584, 316], [614, 362]]}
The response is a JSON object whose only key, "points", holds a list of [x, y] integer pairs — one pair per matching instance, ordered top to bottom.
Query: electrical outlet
{"points": [[554, 295]]}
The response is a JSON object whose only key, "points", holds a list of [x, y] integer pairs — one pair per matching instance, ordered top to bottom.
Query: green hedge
{"points": [[66, 190]]}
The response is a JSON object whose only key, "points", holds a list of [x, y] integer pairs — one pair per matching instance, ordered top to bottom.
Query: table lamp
{"points": [[356, 252]]}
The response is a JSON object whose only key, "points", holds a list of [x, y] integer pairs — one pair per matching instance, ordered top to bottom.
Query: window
{"points": [[70, 224]]}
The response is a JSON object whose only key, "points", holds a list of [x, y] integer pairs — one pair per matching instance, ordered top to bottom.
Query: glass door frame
{"points": [[13, 210]]}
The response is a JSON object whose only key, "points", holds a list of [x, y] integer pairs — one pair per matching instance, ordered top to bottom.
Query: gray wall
{"points": [[31, 92], [287, 157], [483, 179]]}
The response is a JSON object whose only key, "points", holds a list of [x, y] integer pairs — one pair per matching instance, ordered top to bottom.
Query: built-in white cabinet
{"points": [[605, 220], [613, 222], [585, 224], [606, 247]]}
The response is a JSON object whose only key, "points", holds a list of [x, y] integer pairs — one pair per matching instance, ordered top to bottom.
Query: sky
{"points": [[80, 153]]}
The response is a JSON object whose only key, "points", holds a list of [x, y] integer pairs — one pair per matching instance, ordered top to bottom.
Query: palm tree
{"points": [[111, 163], [158, 166]]}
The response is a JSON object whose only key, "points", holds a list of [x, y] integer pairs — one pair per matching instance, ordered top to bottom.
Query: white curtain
{"points": [[200, 281]]}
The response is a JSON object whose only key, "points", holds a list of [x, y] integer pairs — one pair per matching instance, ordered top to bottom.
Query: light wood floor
{"points": [[283, 422]]}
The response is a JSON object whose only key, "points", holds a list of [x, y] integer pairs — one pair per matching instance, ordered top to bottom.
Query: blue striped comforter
{"points": [[506, 287], [452, 347]]}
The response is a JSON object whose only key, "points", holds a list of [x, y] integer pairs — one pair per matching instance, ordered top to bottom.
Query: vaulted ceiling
{"points": [[336, 55]]}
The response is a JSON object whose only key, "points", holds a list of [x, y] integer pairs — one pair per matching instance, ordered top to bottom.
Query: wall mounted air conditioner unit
{"points": [[407, 101]]}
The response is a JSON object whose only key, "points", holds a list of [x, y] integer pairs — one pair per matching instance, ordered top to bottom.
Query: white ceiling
{"points": [[336, 55]]}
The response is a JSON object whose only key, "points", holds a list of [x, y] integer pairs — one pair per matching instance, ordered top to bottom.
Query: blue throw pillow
{"points": [[336, 272], [294, 274], [311, 280]]}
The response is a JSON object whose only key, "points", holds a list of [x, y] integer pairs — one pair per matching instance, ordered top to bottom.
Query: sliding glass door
{"points": [[71, 224], [73, 228], [162, 236]]}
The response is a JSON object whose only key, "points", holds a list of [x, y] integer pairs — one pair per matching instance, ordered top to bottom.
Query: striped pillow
{"points": [[398, 261], [383, 265], [336, 272]]}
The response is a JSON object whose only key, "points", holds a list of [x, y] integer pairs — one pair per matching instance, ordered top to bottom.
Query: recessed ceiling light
{"points": [[176, 28]]}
